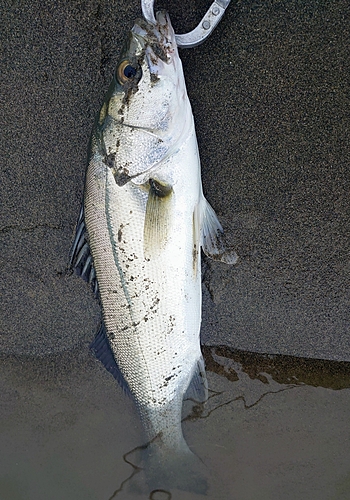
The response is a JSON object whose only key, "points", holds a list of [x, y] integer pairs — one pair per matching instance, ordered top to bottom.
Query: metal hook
{"points": [[147, 10], [201, 32]]}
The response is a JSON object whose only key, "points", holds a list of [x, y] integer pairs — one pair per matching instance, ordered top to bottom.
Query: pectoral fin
{"points": [[157, 218], [213, 240]]}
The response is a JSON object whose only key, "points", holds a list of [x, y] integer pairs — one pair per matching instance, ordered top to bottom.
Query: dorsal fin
{"points": [[80, 256], [103, 352]]}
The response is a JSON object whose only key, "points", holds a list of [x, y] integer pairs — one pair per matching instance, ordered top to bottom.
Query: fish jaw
{"points": [[161, 53], [145, 120]]}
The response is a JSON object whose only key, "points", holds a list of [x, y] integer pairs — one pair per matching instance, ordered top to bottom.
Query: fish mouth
{"points": [[157, 39], [147, 104]]}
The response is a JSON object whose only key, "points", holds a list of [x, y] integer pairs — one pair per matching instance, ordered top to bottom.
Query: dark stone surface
{"points": [[270, 95]]}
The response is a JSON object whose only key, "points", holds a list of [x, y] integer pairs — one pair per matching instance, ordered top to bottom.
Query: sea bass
{"points": [[143, 222]]}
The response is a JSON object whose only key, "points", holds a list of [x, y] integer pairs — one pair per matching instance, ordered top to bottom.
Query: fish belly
{"points": [[151, 306]]}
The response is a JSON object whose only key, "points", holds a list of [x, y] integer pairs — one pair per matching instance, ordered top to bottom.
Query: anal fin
{"points": [[198, 388]]}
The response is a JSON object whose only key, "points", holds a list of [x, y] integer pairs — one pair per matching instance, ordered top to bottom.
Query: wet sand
{"points": [[270, 95], [272, 428]]}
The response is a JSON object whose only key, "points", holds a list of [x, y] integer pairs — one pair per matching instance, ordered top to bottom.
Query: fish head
{"points": [[150, 75], [147, 112]]}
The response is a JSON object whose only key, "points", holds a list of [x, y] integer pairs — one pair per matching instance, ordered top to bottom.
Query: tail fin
{"points": [[174, 469]]}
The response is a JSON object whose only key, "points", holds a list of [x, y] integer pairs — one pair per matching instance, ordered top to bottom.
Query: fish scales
{"points": [[145, 221], [151, 308]]}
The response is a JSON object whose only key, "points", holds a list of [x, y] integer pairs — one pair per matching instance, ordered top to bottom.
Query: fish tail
{"points": [[180, 469]]}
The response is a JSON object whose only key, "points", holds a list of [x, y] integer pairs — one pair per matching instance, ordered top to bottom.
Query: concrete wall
{"points": [[270, 95]]}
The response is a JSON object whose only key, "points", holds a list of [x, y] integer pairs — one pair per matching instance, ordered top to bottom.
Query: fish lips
{"points": [[158, 43]]}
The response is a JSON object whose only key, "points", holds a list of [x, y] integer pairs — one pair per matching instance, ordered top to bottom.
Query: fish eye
{"points": [[126, 72]]}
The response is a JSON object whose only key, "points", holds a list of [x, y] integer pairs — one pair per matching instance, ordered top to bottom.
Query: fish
{"points": [[143, 223]]}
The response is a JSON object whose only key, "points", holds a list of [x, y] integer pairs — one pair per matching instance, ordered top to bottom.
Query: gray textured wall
{"points": [[270, 95]]}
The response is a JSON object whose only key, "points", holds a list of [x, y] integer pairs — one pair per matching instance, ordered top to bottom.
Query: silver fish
{"points": [[139, 235]]}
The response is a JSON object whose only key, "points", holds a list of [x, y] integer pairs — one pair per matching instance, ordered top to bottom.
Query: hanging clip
{"points": [[201, 32]]}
